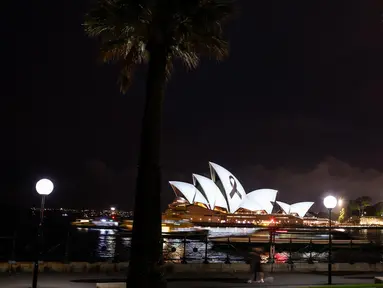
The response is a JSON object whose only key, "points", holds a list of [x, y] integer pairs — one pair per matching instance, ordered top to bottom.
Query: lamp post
{"points": [[44, 187], [330, 203]]}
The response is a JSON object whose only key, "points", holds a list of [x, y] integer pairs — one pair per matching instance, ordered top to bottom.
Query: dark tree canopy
{"points": [[127, 29], [133, 32]]}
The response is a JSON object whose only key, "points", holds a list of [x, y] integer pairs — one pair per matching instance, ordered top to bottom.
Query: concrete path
{"points": [[75, 280]]}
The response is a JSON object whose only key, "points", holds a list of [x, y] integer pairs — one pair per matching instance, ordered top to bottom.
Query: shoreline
{"points": [[171, 268]]}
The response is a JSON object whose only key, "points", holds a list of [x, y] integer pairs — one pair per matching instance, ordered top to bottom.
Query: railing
{"points": [[290, 240], [116, 248]]}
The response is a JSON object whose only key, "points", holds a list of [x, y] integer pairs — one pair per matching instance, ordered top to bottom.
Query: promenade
{"points": [[229, 280]]}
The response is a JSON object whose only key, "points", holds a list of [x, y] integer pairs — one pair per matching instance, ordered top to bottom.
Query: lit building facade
{"points": [[222, 199], [371, 221]]}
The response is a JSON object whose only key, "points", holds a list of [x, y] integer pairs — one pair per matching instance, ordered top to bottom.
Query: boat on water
{"points": [[102, 223], [171, 227], [303, 233], [294, 235]]}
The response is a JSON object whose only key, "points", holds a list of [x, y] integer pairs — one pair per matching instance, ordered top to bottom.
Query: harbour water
{"points": [[92, 245]]}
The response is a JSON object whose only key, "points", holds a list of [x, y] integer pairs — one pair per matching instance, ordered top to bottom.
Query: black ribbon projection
{"points": [[234, 191]]}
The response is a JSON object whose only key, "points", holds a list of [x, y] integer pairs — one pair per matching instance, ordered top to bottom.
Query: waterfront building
{"points": [[221, 199], [315, 221], [371, 221]]}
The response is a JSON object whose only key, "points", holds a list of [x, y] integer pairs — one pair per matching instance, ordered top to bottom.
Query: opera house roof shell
{"points": [[223, 190]]}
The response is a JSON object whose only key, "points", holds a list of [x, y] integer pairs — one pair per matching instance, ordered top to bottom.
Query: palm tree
{"points": [[133, 32]]}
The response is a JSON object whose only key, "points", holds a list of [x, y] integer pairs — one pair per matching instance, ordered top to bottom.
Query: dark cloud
{"points": [[329, 176], [107, 186]]}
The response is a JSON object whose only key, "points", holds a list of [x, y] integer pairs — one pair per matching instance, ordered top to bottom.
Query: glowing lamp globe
{"points": [[44, 187], [330, 202]]}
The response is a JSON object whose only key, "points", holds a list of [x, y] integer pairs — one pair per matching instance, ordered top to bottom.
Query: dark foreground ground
{"points": [[186, 281]]}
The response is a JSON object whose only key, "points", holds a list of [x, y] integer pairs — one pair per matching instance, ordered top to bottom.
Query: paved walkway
{"points": [[187, 281]]}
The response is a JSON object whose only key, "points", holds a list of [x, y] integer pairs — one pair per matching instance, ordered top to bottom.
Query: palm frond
{"points": [[111, 18], [121, 27], [125, 27], [201, 27], [189, 58], [129, 61], [169, 68], [125, 77]]}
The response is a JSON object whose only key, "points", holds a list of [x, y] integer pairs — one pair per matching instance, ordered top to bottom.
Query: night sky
{"points": [[296, 107]]}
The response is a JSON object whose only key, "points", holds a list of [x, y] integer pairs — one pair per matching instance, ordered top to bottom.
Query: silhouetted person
{"points": [[256, 266]]}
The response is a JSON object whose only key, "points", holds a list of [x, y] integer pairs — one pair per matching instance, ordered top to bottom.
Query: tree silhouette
{"points": [[134, 32], [363, 202], [351, 207], [379, 209]]}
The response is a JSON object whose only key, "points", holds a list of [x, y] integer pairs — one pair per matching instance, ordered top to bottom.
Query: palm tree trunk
{"points": [[146, 250]]}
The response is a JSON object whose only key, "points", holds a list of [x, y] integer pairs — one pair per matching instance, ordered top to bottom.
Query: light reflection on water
{"points": [[106, 244], [173, 248], [195, 249]]}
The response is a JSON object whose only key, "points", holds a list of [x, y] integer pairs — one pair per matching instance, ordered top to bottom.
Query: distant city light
{"points": [[113, 208]]}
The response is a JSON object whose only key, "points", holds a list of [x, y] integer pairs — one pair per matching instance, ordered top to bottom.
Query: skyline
{"points": [[296, 106], [290, 183]]}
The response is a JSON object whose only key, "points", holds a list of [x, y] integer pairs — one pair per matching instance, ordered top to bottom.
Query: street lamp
{"points": [[44, 187], [330, 203]]}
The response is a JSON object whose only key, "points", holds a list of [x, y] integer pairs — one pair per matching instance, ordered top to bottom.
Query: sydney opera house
{"points": [[222, 199]]}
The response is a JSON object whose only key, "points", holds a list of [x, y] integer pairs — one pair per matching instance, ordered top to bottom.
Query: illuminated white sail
{"points": [[207, 187], [183, 189], [233, 190], [264, 197], [300, 208]]}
